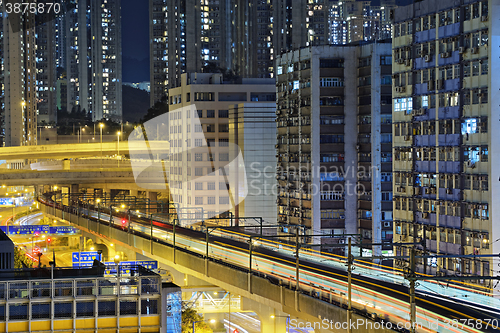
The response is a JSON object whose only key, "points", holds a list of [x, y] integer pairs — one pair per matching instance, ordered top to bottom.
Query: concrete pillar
{"points": [[74, 190], [134, 193], [153, 197], [271, 320]]}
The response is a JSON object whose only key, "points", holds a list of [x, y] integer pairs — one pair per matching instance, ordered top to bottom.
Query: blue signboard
{"points": [[38, 230], [84, 259], [127, 267]]}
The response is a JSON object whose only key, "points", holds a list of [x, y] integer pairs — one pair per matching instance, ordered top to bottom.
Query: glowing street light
{"points": [[101, 125]]}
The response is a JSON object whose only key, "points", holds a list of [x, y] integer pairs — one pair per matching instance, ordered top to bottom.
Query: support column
{"points": [[74, 190], [153, 197], [271, 320]]}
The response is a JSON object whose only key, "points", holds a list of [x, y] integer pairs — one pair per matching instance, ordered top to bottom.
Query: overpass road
{"points": [[224, 261]]}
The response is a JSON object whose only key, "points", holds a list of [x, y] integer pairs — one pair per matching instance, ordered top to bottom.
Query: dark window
{"points": [[331, 63], [200, 113], [210, 113], [223, 114], [223, 128], [149, 306], [107, 308], [128, 308], [84, 309], [40, 310], [63, 310], [2, 312], [18, 312]]}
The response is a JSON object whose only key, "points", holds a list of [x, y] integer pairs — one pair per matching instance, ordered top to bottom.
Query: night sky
{"points": [[135, 40]]}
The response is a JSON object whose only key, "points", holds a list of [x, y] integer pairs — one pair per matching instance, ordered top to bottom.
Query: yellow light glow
{"points": [[23, 103], [101, 125], [118, 133], [4, 186], [55, 187], [25, 190], [6, 193], [98, 200], [123, 206], [137, 211], [43, 236], [111, 244], [92, 248], [117, 256], [215, 293], [272, 316], [212, 321]]}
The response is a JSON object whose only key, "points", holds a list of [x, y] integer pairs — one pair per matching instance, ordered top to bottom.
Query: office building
{"points": [[94, 58], [18, 117], [252, 127], [334, 140], [445, 144], [201, 173], [84, 299]]}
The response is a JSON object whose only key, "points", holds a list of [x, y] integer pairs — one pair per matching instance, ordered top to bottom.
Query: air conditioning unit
{"points": [[484, 18], [461, 49], [474, 50], [445, 55], [427, 58], [399, 61], [407, 62], [439, 84], [402, 89], [421, 111], [407, 137], [276, 146], [402, 189], [416, 190], [427, 190], [433, 190], [449, 191], [425, 215], [387, 224], [341, 241]]}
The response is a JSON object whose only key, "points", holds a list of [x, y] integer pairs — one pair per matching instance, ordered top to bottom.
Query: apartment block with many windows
{"points": [[334, 141], [445, 145]]}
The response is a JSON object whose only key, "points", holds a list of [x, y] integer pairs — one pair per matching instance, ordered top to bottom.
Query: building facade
{"points": [[158, 49], [94, 58], [46, 71], [18, 116], [252, 127], [334, 140], [445, 146], [204, 162]]}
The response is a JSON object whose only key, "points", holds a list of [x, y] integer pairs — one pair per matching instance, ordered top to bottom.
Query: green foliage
{"points": [[159, 108], [21, 260], [188, 317]]}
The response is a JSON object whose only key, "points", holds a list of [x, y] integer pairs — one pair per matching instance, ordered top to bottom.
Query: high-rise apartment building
{"points": [[301, 23], [200, 38], [158, 49], [94, 58], [46, 71], [445, 111], [18, 117], [334, 140]]}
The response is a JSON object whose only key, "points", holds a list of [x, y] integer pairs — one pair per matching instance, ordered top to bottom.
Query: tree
{"points": [[159, 108], [21, 260], [188, 317]]}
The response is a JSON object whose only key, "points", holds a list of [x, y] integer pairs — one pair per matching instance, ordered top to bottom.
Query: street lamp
{"points": [[101, 125], [80, 134], [118, 135]]}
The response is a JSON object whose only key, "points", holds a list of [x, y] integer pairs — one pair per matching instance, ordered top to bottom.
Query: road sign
{"points": [[38, 229], [84, 259], [127, 267]]}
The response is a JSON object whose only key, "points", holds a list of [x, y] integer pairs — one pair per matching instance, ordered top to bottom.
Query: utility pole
{"points": [[411, 278], [349, 286]]}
